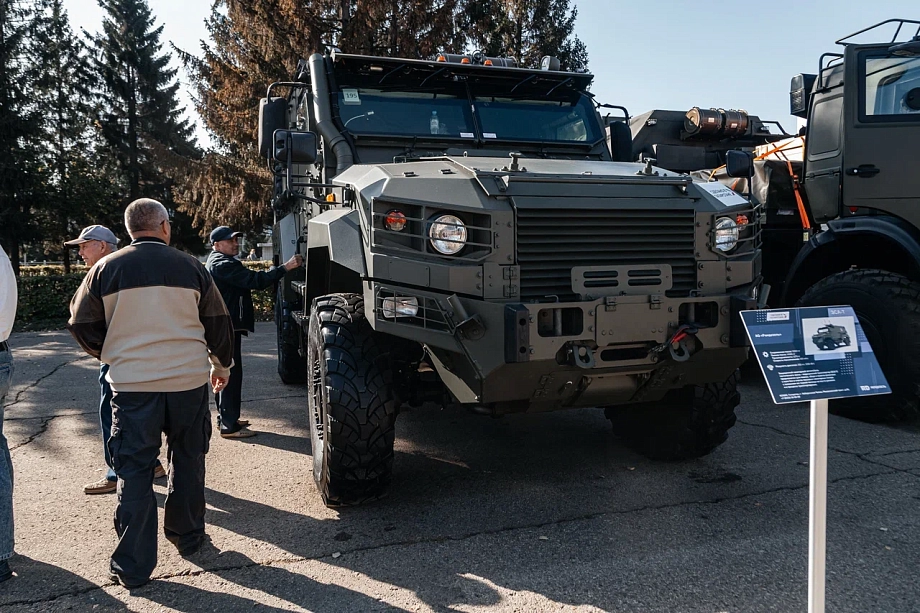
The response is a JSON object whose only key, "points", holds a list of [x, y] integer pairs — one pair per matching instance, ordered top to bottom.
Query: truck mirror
{"points": [[272, 116], [297, 147], [739, 164]]}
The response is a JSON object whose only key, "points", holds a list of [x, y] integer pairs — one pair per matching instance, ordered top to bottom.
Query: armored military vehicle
{"points": [[842, 206], [469, 239], [831, 337]]}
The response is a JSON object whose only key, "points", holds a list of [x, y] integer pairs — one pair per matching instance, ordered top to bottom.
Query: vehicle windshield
{"points": [[529, 108], [405, 113], [547, 121]]}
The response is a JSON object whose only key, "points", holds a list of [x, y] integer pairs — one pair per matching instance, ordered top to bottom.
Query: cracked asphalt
{"points": [[524, 513]]}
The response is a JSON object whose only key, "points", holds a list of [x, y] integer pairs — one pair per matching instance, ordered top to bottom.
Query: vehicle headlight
{"points": [[447, 234], [726, 234], [400, 307]]}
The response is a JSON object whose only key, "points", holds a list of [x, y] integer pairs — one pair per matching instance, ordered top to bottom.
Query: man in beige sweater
{"points": [[154, 315]]}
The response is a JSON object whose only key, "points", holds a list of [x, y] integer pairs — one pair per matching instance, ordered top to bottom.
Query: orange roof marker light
{"points": [[441, 58], [465, 60], [487, 63], [330, 197]]}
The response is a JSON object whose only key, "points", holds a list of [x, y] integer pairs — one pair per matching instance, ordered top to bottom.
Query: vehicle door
{"points": [[881, 156]]}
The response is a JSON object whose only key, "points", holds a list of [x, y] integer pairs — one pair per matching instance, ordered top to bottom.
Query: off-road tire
{"points": [[888, 308], [292, 367], [351, 405], [687, 423]]}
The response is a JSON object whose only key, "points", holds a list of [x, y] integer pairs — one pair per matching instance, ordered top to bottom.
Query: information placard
{"points": [[814, 353]]}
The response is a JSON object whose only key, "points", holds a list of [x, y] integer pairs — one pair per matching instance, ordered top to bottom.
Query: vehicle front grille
{"points": [[551, 241]]}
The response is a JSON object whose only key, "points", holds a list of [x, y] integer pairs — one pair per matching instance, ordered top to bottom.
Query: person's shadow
{"points": [[37, 582]]}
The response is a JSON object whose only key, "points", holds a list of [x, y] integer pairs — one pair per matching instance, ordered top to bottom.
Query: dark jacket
{"points": [[236, 283]]}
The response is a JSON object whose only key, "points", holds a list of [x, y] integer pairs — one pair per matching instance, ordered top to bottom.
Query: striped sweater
{"points": [[155, 316]]}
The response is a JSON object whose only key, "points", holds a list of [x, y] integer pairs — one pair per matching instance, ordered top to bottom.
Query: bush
{"points": [[45, 293]]}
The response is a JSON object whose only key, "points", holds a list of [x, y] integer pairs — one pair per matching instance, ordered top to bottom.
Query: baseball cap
{"points": [[94, 233], [222, 233]]}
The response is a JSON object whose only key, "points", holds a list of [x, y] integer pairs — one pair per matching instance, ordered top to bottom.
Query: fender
{"points": [[339, 232], [902, 237]]}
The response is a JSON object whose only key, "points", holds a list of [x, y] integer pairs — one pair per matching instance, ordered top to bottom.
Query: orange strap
{"points": [[803, 214]]}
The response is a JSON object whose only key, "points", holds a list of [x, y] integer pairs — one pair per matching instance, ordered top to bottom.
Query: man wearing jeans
{"points": [[96, 242], [8, 298], [155, 316]]}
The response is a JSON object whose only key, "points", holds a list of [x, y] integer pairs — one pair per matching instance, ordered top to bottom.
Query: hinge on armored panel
{"points": [[509, 272], [510, 291], [654, 301], [610, 303]]}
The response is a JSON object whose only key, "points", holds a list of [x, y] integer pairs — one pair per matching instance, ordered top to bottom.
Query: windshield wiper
{"points": [[386, 76], [528, 79], [567, 81]]}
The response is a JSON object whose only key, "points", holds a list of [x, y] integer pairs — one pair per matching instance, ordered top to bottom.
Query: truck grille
{"points": [[551, 241]]}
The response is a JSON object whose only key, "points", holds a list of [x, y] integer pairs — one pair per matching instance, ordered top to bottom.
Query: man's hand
{"points": [[296, 261], [218, 383]]}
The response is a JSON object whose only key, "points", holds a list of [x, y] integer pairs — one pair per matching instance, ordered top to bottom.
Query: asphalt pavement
{"points": [[546, 512]]}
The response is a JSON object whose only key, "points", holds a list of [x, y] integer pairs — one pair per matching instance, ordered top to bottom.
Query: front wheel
{"points": [[888, 308], [352, 409], [688, 423]]}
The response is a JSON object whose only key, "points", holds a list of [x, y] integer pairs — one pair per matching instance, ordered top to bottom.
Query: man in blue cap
{"points": [[96, 242], [236, 283]]}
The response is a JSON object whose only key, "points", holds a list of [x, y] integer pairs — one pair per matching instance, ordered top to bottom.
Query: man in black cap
{"points": [[236, 283]]}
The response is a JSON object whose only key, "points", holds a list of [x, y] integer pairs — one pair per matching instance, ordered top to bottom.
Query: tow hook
{"points": [[680, 346], [582, 356]]}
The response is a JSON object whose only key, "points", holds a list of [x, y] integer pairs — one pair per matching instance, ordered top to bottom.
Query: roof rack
{"points": [[901, 23]]}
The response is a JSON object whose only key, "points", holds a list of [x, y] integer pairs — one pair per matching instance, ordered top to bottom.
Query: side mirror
{"points": [[272, 116], [294, 147], [739, 164]]}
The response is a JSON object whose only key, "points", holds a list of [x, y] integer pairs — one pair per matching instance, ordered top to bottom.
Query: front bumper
{"points": [[611, 350]]}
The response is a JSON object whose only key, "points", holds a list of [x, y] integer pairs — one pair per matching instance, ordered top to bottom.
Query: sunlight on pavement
{"points": [[522, 600]]}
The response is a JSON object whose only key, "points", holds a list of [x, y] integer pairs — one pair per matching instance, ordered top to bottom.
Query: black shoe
{"points": [[192, 547], [5, 572], [130, 584]]}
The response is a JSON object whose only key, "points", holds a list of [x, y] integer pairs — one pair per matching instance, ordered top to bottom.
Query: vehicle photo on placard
{"points": [[826, 336]]}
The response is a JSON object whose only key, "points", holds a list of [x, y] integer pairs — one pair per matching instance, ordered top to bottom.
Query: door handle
{"points": [[863, 171]]}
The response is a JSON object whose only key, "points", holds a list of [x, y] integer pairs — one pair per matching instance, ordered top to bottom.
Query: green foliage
{"points": [[45, 293]]}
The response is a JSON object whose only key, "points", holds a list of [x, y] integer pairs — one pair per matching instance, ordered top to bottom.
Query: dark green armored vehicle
{"points": [[468, 238], [831, 337]]}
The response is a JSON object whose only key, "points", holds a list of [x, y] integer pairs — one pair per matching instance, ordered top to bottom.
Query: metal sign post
{"points": [[814, 354], [817, 506]]}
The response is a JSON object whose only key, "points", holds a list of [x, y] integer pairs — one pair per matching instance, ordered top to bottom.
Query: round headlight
{"points": [[447, 234], [726, 234]]}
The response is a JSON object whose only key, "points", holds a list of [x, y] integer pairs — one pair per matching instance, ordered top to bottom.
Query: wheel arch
{"points": [[884, 243], [335, 255]]}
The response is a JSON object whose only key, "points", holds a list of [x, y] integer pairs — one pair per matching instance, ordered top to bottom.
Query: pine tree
{"points": [[526, 30], [253, 43], [19, 115], [141, 119], [75, 188]]}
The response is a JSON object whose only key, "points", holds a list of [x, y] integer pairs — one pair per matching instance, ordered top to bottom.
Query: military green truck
{"points": [[842, 217], [468, 238], [831, 337]]}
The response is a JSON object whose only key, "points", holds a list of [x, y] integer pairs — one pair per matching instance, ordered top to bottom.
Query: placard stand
{"points": [[817, 507]]}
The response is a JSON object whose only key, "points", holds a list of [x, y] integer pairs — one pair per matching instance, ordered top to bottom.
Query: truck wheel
{"points": [[888, 307], [292, 368], [352, 409], [688, 423]]}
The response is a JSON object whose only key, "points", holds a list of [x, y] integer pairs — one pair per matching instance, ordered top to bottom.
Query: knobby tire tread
{"points": [[360, 405]]}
